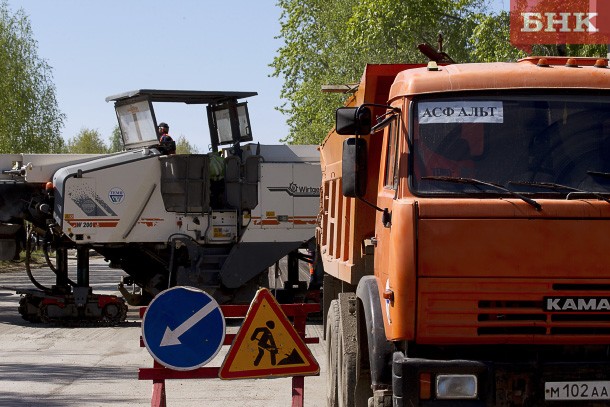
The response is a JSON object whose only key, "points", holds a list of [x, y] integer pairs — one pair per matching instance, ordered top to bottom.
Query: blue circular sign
{"points": [[183, 328]]}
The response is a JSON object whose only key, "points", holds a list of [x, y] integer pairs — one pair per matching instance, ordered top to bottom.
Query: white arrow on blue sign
{"points": [[183, 328]]}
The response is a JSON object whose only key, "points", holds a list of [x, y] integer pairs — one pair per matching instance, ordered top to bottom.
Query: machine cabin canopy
{"points": [[228, 119]]}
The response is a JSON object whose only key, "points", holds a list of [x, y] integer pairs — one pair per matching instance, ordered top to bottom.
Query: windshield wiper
{"points": [[476, 182], [549, 185], [557, 187]]}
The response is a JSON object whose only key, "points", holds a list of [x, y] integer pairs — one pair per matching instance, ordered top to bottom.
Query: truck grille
{"points": [[520, 311], [546, 323]]}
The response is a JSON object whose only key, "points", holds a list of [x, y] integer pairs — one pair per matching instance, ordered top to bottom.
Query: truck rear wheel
{"points": [[332, 339], [346, 372], [353, 374], [348, 381]]}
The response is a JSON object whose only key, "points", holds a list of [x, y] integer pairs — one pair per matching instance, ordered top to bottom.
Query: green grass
{"points": [[37, 260]]}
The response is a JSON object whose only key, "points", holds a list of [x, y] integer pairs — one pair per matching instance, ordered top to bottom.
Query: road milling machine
{"points": [[215, 221]]}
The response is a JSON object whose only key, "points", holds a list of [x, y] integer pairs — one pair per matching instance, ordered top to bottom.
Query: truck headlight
{"points": [[456, 386]]}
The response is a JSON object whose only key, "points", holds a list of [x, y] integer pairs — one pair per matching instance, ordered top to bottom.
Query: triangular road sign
{"points": [[267, 345]]}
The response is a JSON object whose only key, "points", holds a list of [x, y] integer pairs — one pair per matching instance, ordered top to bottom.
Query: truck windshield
{"points": [[523, 142]]}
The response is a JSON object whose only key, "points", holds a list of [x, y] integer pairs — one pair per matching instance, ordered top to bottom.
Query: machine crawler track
{"points": [[68, 310]]}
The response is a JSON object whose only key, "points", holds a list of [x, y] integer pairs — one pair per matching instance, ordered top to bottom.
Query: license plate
{"points": [[585, 390]]}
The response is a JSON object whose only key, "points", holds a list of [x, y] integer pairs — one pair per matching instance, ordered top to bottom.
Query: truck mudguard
{"points": [[380, 349]]}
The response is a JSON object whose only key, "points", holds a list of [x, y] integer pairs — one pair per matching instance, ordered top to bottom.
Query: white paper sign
{"points": [[460, 112]]}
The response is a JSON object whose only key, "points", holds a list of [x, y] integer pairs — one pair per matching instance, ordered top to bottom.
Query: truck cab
{"points": [[478, 271]]}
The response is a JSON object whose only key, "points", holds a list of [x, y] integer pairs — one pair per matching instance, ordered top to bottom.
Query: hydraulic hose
{"points": [[45, 250], [28, 257]]}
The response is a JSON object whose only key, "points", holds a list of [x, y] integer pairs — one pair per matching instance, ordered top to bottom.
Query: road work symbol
{"points": [[183, 328], [264, 337], [267, 345]]}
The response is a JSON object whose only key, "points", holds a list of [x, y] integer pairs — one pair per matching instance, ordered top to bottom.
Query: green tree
{"points": [[388, 31], [490, 39], [331, 42], [30, 120], [87, 141], [116, 141], [183, 146]]}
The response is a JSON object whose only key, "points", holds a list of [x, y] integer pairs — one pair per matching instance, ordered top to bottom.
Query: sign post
{"points": [[303, 366]]}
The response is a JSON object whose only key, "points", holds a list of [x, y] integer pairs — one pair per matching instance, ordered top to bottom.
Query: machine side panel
{"points": [[307, 178], [276, 197], [288, 197], [120, 203]]}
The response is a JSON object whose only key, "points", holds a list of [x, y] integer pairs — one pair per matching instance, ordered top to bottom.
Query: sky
{"points": [[101, 48]]}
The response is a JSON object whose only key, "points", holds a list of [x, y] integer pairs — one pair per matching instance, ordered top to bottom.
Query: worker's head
{"points": [[163, 128]]}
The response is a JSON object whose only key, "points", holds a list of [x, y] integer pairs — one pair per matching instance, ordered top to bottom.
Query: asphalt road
{"points": [[52, 366]]}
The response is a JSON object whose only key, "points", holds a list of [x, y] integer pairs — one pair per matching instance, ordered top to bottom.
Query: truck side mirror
{"points": [[353, 120], [354, 167]]}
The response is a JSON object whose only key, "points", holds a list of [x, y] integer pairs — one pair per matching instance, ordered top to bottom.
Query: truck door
{"points": [[388, 186]]}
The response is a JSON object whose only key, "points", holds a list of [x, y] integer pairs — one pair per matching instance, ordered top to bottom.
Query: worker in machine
{"points": [[168, 145]]}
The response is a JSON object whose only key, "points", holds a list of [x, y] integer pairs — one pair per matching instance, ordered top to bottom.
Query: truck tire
{"points": [[332, 347], [347, 363], [346, 373], [353, 375], [348, 384], [381, 398]]}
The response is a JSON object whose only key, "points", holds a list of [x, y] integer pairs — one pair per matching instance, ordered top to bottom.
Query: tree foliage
{"points": [[489, 41], [330, 42], [314, 45], [30, 120], [87, 141], [116, 141], [183, 146]]}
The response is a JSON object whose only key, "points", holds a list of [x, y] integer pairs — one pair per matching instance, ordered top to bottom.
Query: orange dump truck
{"points": [[465, 237]]}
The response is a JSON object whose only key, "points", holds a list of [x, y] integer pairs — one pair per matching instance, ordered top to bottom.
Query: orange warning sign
{"points": [[267, 345]]}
